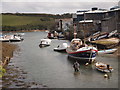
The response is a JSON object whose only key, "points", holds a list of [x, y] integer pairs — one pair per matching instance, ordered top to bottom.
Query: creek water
{"points": [[54, 69]]}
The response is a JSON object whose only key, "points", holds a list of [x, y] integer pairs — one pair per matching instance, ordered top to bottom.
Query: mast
{"points": [[84, 29], [75, 33]]}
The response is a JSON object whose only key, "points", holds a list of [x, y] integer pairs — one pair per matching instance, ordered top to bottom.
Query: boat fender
{"points": [[86, 64], [106, 76]]}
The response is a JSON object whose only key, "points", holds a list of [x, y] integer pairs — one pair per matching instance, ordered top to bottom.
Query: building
{"points": [[97, 20], [111, 21], [64, 24]]}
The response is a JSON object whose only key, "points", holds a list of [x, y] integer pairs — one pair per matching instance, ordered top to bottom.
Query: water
{"points": [[55, 70]]}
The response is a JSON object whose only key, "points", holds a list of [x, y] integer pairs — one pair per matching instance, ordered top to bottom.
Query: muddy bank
{"points": [[6, 50], [117, 53], [14, 76]]}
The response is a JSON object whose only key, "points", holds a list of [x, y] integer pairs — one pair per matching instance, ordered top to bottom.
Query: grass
{"points": [[14, 20]]}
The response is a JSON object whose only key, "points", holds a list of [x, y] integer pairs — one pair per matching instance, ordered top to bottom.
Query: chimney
{"points": [[94, 8]]}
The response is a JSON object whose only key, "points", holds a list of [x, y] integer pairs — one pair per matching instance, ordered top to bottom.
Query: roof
{"points": [[92, 11], [97, 11], [65, 19], [85, 21], [76, 39]]}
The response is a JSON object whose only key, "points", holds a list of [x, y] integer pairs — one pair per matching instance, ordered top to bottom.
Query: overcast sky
{"points": [[54, 6]]}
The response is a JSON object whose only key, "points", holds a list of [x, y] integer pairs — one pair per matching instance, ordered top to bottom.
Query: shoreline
{"points": [[21, 31], [7, 50], [14, 76]]}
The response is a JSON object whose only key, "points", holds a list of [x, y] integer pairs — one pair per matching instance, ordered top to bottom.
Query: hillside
{"points": [[14, 22]]}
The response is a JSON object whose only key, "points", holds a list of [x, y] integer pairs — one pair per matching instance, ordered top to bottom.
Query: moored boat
{"points": [[50, 36], [11, 38], [15, 38], [4, 40], [45, 42], [61, 48], [79, 50], [108, 51], [103, 67]]}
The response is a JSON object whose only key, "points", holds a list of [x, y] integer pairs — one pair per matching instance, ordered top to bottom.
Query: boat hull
{"points": [[4, 40], [15, 40], [43, 45], [59, 50], [109, 51], [83, 55], [103, 67], [104, 71]]}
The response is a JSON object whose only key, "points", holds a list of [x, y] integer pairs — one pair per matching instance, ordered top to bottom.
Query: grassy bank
{"points": [[16, 22]]}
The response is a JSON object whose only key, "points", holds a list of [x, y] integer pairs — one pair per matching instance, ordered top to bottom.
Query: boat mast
{"points": [[84, 29], [75, 33]]}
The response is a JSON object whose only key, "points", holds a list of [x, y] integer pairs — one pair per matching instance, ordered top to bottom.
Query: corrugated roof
{"points": [[90, 11], [96, 11], [85, 21]]}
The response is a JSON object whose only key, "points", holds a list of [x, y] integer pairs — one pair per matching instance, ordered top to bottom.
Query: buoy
{"points": [[86, 64], [106, 76]]}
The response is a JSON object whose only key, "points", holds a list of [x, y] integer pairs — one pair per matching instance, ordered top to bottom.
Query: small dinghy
{"points": [[16, 38], [45, 42], [61, 48], [108, 51], [103, 67]]}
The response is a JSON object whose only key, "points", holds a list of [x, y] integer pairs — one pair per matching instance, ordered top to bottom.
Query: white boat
{"points": [[10, 38], [15, 38], [4, 39], [45, 42], [61, 48], [108, 51], [103, 67]]}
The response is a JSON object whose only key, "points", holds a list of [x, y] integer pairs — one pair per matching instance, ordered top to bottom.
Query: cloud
{"points": [[60, 0], [52, 7]]}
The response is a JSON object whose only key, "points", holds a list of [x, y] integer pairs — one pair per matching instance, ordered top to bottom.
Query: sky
{"points": [[54, 6]]}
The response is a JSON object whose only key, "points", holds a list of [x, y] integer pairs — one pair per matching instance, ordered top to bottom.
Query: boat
{"points": [[112, 33], [50, 36], [60, 36], [98, 36], [11, 38], [15, 38], [4, 39], [45, 42], [61, 48], [79, 50], [108, 51], [103, 67]]}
